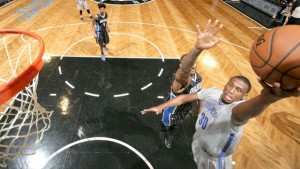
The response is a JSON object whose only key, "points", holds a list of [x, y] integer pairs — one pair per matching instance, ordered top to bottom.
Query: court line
{"points": [[126, 4], [245, 16], [141, 23], [117, 33], [83, 39], [119, 57], [161, 70], [69, 84], [145, 87], [92, 94], [121, 95], [160, 97], [99, 139]]}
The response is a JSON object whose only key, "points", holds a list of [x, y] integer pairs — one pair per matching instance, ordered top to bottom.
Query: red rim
{"points": [[17, 84]]}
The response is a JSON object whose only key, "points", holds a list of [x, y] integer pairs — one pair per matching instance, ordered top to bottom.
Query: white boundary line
{"points": [[125, 4], [244, 15], [156, 25], [116, 33], [117, 57], [59, 70], [161, 70], [69, 84], [145, 87], [91, 94], [121, 95], [160, 97], [99, 139]]}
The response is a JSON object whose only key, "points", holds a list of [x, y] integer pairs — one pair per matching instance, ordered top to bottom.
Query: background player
{"points": [[82, 4], [100, 29], [187, 80]]}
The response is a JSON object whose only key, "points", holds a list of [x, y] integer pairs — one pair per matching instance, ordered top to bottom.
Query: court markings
{"points": [[140, 23], [60, 69], [115, 95], [98, 139]]}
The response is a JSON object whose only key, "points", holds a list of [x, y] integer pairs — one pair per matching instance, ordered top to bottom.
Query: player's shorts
{"points": [[81, 4], [103, 38], [205, 160]]}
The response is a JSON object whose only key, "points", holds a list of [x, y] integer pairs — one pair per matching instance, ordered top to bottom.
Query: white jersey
{"points": [[296, 12], [214, 126]]}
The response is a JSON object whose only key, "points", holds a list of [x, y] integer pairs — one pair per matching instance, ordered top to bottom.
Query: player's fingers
{"points": [[215, 24], [206, 28], [198, 29], [218, 29], [217, 40], [262, 83], [277, 89], [296, 92], [147, 111], [144, 112]]}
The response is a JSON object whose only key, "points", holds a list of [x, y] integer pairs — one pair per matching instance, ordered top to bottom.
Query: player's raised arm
{"points": [[205, 40], [173, 102], [255, 106]]}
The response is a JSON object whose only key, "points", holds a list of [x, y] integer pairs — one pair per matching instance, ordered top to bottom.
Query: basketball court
{"points": [[95, 119]]}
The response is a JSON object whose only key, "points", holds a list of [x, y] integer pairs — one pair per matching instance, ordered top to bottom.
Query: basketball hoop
{"points": [[22, 120]]}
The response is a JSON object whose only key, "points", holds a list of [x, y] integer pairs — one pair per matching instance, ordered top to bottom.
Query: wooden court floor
{"points": [[166, 28]]}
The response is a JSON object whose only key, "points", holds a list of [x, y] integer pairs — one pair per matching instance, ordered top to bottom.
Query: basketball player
{"points": [[82, 4], [100, 29], [187, 80], [219, 125]]}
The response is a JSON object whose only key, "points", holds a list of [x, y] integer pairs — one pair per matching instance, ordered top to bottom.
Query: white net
{"points": [[22, 119]]}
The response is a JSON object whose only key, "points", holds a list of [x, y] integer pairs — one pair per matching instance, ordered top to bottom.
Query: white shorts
{"points": [[81, 4], [203, 160]]}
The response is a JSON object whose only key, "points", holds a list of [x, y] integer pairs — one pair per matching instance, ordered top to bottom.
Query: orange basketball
{"points": [[275, 56]]}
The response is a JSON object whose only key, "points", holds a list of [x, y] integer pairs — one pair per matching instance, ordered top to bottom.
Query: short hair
{"points": [[101, 5], [245, 80]]}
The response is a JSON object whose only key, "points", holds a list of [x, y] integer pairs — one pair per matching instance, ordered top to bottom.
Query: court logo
{"points": [[123, 2]]}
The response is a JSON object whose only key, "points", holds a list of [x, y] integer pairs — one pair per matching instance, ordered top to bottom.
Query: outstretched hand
{"points": [[206, 39], [275, 92], [157, 110]]}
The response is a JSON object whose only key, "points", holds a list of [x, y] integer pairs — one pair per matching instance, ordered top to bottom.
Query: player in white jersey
{"points": [[82, 4], [219, 125]]}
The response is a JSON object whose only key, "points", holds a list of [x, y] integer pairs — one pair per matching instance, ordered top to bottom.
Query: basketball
{"points": [[275, 56]]}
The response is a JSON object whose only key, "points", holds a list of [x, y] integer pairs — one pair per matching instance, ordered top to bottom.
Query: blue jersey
{"points": [[173, 115]]}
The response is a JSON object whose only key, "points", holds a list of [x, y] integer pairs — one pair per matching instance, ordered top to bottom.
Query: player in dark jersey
{"points": [[100, 29], [186, 80], [172, 116]]}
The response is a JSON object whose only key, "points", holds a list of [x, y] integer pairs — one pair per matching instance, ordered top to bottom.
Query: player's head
{"points": [[102, 7], [182, 59], [236, 89]]}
